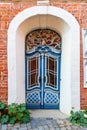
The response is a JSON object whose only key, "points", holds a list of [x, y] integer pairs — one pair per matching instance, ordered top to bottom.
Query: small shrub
{"points": [[14, 113], [18, 113], [77, 118]]}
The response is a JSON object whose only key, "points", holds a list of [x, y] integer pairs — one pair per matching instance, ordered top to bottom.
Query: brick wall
{"points": [[51, 1], [8, 11]]}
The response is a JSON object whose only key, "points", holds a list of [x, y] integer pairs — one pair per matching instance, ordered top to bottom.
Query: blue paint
{"points": [[43, 89]]}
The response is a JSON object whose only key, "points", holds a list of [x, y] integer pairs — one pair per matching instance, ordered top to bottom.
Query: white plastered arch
{"points": [[68, 27]]}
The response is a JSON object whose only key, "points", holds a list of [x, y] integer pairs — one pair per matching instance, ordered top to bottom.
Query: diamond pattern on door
{"points": [[33, 98], [51, 98]]}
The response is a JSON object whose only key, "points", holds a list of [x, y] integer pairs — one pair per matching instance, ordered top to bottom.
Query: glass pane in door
{"points": [[32, 72]]}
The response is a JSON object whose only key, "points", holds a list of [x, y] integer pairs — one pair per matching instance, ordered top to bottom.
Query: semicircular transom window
{"points": [[37, 37]]}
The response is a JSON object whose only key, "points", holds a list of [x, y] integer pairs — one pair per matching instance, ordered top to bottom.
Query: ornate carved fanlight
{"points": [[42, 36]]}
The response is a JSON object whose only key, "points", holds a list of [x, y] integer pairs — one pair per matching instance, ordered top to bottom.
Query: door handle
{"points": [[40, 79]]}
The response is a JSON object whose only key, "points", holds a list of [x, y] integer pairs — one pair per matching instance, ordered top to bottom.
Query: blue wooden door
{"points": [[43, 77]]}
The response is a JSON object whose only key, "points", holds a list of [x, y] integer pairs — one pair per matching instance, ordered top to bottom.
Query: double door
{"points": [[43, 78]]}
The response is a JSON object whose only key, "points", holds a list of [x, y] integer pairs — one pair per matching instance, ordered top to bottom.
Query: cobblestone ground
{"points": [[43, 124]]}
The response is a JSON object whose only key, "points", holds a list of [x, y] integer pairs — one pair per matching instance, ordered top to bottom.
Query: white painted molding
{"points": [[84, 42]]}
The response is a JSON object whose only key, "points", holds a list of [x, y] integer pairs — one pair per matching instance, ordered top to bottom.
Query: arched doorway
{"points": [[67, 26], [43, 56]]}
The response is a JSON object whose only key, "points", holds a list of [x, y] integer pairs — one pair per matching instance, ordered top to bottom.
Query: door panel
{"points": [[51, 71], [32, 72], [43, 78], [51, 88], [33, 90], [51, 99]]}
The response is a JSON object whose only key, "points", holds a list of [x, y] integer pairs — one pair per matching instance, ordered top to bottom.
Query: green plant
{"points": [[2, 106], [2, 109], [85, 111], [14, 113], [18, 113], [77, 118], [4, 119]]}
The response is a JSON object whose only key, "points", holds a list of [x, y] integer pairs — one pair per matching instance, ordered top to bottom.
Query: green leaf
{"points": [[2, 106], [12, 109], [21, 109], [71, 112], [19, 116], [4, 119], [25, 119], [12, 120]]}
